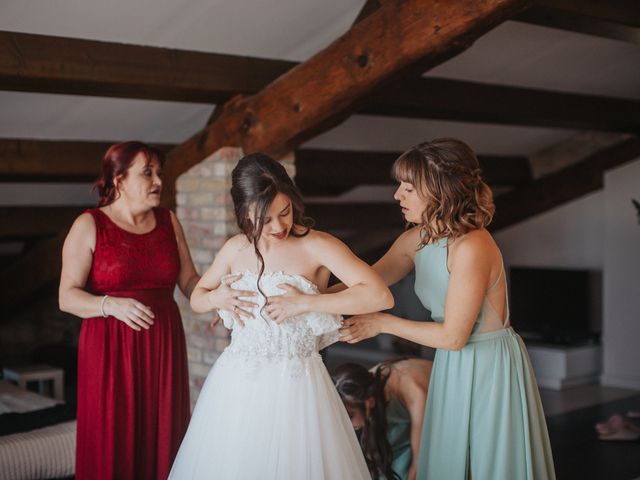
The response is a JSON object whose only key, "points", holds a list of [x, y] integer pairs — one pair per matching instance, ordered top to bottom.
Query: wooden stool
{"points": [[40, 374]]}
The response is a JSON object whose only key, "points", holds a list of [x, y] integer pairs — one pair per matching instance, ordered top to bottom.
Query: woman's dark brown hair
{"points": [[116, 162], [447, 175], [255, 182], [355, 385]]}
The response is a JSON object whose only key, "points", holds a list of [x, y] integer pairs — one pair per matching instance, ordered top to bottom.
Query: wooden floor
{"points": [[578, 454]]}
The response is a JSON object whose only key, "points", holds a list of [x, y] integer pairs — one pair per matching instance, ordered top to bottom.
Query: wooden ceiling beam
{"points": [[614, 19], [48, 64], [82, 67], [457, 100], [27, 160], [318, 172], [331, 172], [563, 186], [542, 195], [20, 223]]}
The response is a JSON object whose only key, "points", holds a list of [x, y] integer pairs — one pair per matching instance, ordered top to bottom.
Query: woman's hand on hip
{"points": [[286, 305], [130, 311], [361, 327]]}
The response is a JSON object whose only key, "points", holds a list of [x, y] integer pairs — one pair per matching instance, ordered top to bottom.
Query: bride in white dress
{"points": [[268, 409]]}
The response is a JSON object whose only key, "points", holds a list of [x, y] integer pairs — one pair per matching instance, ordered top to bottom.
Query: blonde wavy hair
{"points": [[446, 174]]}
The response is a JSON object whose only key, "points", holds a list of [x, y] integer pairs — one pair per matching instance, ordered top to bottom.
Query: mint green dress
{"points": [[483, 413], [399, 436]]}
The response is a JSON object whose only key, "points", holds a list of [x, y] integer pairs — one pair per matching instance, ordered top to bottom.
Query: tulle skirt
{"points": [[269, 418]]}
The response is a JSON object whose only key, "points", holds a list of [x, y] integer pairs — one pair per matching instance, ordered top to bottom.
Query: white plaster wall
{"points": [[597, 232], [570, 236], [621, 323]]}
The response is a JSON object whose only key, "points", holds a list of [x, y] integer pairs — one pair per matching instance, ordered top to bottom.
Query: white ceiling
{"points": [[512, 54]]}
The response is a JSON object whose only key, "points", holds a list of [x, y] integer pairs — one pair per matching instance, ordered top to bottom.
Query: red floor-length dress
{"points": [[133, 391]]}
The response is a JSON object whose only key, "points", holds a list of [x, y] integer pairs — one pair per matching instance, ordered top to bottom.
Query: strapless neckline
{"points": [[281, 273]]}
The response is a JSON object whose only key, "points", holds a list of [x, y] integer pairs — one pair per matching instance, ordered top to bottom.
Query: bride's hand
{"points": [[225, 297], [286, 305], [361, 327]]}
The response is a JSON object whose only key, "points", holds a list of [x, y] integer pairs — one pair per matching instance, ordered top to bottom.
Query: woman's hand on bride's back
{"points": [[286, 305]]}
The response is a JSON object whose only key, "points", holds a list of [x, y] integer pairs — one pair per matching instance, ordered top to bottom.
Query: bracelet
{"points": [[102, 306]]}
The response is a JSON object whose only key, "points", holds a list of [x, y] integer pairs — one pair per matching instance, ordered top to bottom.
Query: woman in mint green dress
{"points": [[386, 406], [484, 418]]}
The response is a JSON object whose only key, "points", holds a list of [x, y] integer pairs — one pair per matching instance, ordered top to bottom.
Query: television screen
{"points": [[557, 306]]}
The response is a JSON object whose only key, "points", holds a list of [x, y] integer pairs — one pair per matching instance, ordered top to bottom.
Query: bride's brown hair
{"points": [[447, 175], [255, 182]]}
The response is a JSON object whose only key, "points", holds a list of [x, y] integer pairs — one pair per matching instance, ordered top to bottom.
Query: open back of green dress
{"points": [[483, 413]]}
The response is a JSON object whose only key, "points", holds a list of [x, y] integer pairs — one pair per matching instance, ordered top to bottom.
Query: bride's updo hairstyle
{"points": [[447, 175], [255, 182]]}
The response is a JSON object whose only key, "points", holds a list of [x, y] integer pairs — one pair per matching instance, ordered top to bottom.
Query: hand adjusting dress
{"points": [[133, 390], [268, 409]]}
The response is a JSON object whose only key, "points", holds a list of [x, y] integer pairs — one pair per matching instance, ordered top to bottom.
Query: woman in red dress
{"points": [[120, 265]]}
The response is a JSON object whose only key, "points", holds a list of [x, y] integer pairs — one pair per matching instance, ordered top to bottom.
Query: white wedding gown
{"points": [[268, 409]]}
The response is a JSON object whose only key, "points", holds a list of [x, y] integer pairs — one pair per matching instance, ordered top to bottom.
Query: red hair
{"points": [[116, 162]]}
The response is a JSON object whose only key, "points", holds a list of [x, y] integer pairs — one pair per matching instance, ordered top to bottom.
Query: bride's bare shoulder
{"points": [[320, 239], [235, 244]]}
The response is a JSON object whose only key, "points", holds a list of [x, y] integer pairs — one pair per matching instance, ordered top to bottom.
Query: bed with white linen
{"points": [[34, 453]]}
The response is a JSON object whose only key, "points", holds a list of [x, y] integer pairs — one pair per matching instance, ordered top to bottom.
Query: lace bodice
{"points": [[126, 262], [299, 336]]}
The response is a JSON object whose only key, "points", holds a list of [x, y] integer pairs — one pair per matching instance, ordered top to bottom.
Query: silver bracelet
{"points": [[102, 306]]}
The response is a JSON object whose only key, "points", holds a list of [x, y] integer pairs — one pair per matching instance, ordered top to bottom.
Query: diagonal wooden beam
{"points": [[615, 19], [395, 39], [48, 64], [477, 102], [563, 186], [543, 194]]}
